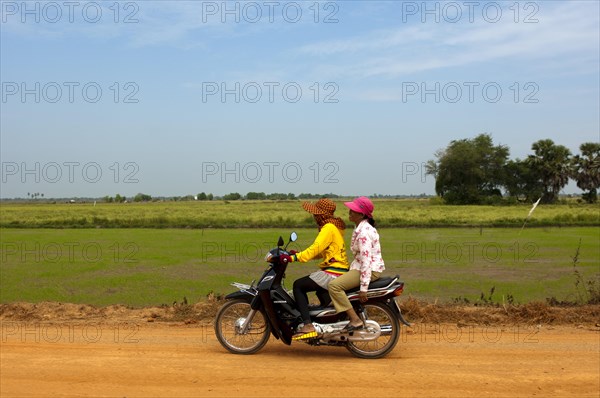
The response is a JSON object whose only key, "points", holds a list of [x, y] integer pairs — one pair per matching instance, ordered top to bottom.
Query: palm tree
{"points": [[551, 165], [586, 170]]}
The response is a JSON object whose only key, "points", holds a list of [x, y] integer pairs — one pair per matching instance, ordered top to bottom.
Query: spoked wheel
{"points": [[232, 331], [390, 332]]}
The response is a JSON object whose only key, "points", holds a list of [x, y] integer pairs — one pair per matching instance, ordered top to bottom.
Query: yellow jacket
{"points": [[329, 245]]}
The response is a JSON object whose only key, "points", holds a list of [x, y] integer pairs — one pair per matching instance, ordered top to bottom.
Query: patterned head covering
{"points": [[322, 206], [323, 211]]}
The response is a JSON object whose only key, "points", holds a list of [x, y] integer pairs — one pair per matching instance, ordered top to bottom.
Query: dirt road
{"points": [[176, 360]]}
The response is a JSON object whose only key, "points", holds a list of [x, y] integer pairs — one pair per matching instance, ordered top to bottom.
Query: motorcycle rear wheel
{"points": [[227, 328], [390, 333]]}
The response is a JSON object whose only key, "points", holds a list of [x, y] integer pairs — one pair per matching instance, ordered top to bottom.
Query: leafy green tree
{"points": [[551, 165], [585, 170], [469, 171], [521, 182], [201, 196], [232, 196], [256, 196], [276, 196], [308, 196], [142, 197]]}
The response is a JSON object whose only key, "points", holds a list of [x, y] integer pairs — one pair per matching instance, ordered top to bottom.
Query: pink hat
{"points": [[361, 205]]}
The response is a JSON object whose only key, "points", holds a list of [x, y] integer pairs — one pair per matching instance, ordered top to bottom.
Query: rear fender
{"points": [[389, 301]]}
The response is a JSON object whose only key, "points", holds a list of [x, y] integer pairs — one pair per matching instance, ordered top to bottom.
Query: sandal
{"points": [[349, 328], [304, 331]]}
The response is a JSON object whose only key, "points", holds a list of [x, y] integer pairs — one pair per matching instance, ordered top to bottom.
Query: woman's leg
{"points": [[301, 287], [338, 287], [337, 291], [323, 296]]}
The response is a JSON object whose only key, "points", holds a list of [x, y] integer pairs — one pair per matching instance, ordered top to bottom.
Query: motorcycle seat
{"points": [[379, 283]]}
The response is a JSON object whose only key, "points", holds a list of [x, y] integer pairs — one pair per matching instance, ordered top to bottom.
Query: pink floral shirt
{"points": [[367, 253]]}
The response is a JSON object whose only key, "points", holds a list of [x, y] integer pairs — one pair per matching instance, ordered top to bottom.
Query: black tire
{"points": [[388, 321], [227, 322]]}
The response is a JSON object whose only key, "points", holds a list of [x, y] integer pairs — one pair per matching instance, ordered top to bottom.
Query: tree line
{"points": [[475, 171], [203, 196]]}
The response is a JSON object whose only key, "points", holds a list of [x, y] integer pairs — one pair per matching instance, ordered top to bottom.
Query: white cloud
{"points": [[565, 33]]}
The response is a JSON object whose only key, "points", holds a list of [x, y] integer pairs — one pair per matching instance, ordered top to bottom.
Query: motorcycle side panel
{"points": [[284, 302], [280, 329]]}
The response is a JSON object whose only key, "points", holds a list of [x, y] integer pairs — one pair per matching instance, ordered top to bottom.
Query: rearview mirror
{"points": [[293, 237]]}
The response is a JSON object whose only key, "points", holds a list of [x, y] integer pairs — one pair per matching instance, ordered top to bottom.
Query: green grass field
{"points": [[283, 214], [141, 266]]}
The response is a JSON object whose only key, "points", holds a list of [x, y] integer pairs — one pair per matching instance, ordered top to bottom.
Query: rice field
{"points": [[284, 214], [143, 266]]}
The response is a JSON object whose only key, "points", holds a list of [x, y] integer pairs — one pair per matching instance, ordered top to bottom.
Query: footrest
{"points": [[305, 336]]}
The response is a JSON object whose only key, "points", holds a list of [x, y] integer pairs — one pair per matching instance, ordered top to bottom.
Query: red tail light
{"points": [[399, 290]]}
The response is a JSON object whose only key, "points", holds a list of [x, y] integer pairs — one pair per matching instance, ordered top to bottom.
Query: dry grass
{"points": [[203, 312], [530, 313]]}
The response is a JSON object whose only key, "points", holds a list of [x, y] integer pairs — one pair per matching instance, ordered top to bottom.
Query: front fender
{"points": [[239, 295]]}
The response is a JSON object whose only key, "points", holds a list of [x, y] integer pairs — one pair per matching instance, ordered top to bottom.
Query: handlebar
{"points": [[273, 255]]}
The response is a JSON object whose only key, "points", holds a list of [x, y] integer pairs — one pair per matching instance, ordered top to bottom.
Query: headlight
{"points": [[268, 257]]}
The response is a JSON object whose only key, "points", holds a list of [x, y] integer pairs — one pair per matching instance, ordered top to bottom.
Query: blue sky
{"points": [[350, 97]]}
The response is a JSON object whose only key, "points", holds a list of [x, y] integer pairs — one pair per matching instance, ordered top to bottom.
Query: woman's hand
{"points": [[285, 258], [362, 296]]}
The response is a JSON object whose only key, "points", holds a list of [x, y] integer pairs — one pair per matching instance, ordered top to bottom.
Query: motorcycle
{"points": [[245, 322]]}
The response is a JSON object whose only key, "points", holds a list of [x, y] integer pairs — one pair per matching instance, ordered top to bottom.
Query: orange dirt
{"points": [[129, 357]]}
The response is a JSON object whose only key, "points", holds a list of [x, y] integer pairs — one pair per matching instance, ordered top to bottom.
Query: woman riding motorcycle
{"points": [[330, 248]]}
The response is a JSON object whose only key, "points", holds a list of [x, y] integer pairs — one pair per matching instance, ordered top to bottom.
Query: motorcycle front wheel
{"points": [[229, 324], [390, 332]]}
